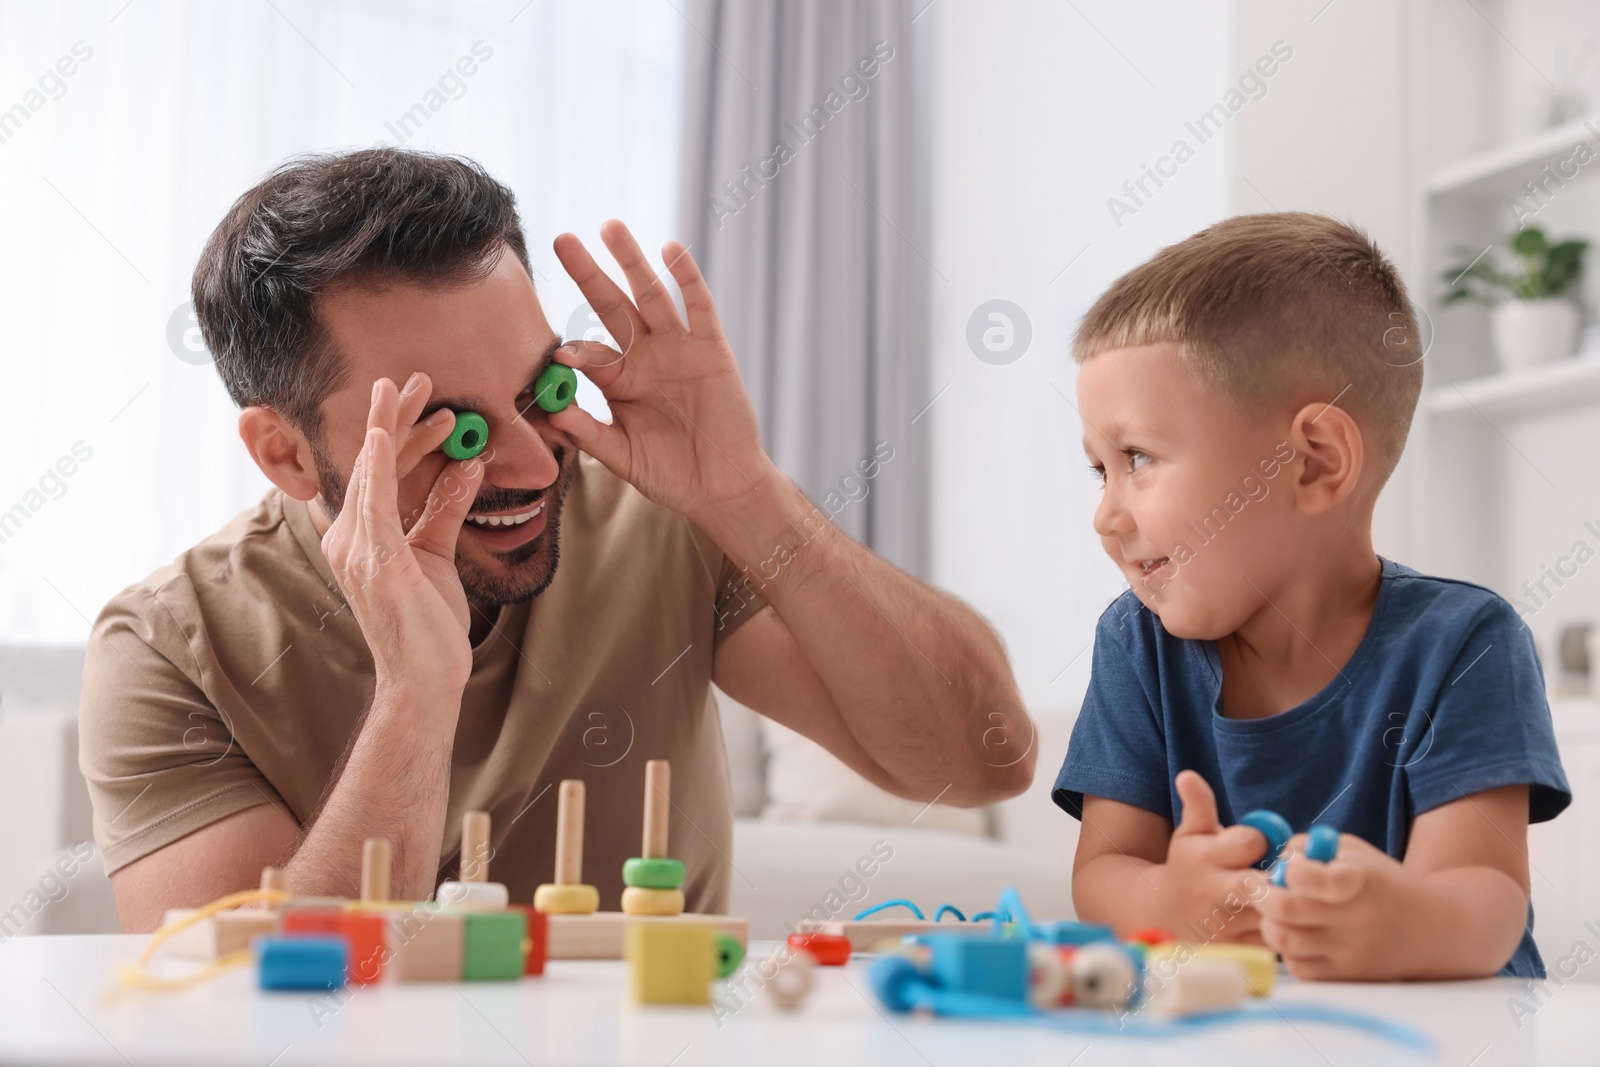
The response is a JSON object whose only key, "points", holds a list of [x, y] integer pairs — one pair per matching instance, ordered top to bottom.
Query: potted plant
{"points": [[1533, 311]]}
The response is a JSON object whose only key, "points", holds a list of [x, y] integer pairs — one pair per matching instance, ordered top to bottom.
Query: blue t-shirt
{"points": [[1444, 697]]}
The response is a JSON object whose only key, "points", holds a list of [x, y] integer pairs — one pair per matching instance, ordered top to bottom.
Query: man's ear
{"points": [[280, 450], [1331, 458]]}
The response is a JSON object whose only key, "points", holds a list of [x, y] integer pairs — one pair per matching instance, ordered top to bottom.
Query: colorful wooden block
{"points": [[474, 896], [640, 901], [1067, 932], [367, 934], [219, 935], [600, 936], [538, 938], [430, 945], [494, 946], [830, 950], [302, 961], [670, 963], [1260, 964], [987, 966], [1104, 975]]}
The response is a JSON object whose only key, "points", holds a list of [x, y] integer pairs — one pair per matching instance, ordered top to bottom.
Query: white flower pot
{"points": [[1530, 332]]}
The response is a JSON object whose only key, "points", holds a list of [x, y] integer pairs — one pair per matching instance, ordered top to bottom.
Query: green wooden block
{"points": [[494, 951]]}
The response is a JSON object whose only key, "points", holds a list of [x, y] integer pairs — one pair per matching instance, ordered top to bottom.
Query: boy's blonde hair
{"points": [[1273, 308]]}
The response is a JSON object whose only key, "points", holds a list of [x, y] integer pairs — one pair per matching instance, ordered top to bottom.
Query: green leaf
{"points": [[1529, 242]]}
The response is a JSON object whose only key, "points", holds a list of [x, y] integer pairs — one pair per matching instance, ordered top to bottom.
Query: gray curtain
{"points": [[800, 202]]}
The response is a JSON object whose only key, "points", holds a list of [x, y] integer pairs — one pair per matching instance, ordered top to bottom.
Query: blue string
{"points": [[898, 902], [1011, 908], [952, 909], [979, 917]]}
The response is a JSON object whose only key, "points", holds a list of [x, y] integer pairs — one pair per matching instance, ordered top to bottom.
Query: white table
{"points": [[53, 1011]]}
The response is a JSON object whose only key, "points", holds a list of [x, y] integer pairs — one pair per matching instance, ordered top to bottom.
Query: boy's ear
{"points": [[280, 450], [1331, 458]]}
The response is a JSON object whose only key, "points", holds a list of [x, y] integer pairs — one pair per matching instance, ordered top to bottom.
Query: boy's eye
{"points": [[1136, 459], [1099, 472]]}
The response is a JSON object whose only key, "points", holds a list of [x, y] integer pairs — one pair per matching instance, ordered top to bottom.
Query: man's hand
{"points": [[683, 431], [402, 587], [1206, 866]]}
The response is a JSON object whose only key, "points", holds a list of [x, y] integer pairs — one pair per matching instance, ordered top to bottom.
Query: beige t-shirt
{"points": [[236, 675]]}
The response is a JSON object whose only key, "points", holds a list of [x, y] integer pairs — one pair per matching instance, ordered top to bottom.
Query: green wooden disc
{"points": [[554, 389], [470, 436], [652, 873], [729, 954]]}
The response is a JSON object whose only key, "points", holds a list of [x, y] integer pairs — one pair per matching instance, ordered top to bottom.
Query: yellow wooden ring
{"points": [[566, 899], [640, 901]]}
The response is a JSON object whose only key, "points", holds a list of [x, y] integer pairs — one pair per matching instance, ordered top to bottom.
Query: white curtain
{"points": [[126, 130]]}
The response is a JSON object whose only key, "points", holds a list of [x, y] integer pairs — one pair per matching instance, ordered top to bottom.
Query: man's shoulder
{"points": [[257, 554], [1444, 605]]}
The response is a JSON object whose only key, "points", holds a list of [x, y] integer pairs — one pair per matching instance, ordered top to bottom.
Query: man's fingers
{"points": [[649, 294], [605, 296], [697, 302], [601, 364], [385, 409], [424, 438], [605, 443], [379, 497], [449, 501], [1199, 805]]}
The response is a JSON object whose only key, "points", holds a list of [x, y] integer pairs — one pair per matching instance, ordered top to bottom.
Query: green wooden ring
{"points": [[555, 387], [470, 436], [654, 873], [729, 954]]}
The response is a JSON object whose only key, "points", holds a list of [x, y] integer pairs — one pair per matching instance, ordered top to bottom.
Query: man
{"points": [[386, 640]]}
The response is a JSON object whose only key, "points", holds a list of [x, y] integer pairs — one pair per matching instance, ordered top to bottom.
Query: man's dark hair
{"points": [[380, 213]]}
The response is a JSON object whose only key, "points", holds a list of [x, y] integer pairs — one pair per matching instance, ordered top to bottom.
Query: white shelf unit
{"points": [[1501, 474]]}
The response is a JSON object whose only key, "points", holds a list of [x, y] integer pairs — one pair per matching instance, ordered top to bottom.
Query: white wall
{"points": [[1037, 120]]}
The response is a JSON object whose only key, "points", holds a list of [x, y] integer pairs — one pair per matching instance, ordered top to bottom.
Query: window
{"points": [[127, 131]]}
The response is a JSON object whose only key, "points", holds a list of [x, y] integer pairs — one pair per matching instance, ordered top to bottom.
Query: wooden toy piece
{"points": [[1273, 827], [1322, 844], [475, 846], [375, 864], [653, 880], [474, 891], [567, 895], [639, 901], [227, 931], [1068, 932], [366, 934], [601, 935], [870, 935], [1150, 935], [538, 942], [431, 945], [494, 946], [830, 950], [304, 962], [670, 962], [1260, 964], [986, 966], [1103, 975], [1049, 976], [792, 980], [1199, 986]]}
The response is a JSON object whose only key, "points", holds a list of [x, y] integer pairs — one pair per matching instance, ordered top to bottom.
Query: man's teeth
{"points": [[505, 520]]}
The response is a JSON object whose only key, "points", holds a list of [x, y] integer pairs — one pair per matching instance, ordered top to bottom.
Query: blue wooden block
{"points": [[1273, 827], [1067, 932], [302, 961], [986, 966]]}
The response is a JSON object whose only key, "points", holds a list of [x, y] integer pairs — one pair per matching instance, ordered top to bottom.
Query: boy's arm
{"points": [[1134, 870], [1456, 908]]}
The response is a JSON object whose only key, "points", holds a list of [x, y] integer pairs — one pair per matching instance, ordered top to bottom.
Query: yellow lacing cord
{"points": [[136, 975]]}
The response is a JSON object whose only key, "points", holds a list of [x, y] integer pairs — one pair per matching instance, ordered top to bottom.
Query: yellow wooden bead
{"points": [[566, 899], [640, 901], [1260, 964]]}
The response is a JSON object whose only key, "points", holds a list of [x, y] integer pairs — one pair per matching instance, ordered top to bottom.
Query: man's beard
{"points": [[528, 569]]}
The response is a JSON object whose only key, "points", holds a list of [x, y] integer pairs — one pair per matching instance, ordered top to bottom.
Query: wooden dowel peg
{"points": [[657, 807], [569, 833], [475, 846], [375, 864], [274, 878]]}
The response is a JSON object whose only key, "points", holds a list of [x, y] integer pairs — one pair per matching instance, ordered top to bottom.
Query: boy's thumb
{"points": [[1199, 805]]}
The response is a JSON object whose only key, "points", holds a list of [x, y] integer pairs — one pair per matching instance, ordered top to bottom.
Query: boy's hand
{"points": [[1209, 879], [1341, 920]]}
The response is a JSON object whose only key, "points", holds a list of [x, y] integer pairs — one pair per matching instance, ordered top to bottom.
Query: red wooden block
{"points": [[366, 934], [1151, 935], [538, 937], [830, 950]]}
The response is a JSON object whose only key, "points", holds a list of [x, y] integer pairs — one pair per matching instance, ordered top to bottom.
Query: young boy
{"points": [[1245, 394]]}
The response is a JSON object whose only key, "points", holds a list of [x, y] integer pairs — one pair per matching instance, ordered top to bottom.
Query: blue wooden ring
{"points": [[1273, 827], [1322, 843]]}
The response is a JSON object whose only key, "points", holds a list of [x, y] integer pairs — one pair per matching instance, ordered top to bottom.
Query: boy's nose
{"points": [[1111, 518]]}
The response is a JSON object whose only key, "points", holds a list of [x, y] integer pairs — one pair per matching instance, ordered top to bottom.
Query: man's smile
{"points": [[504, 531]]}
